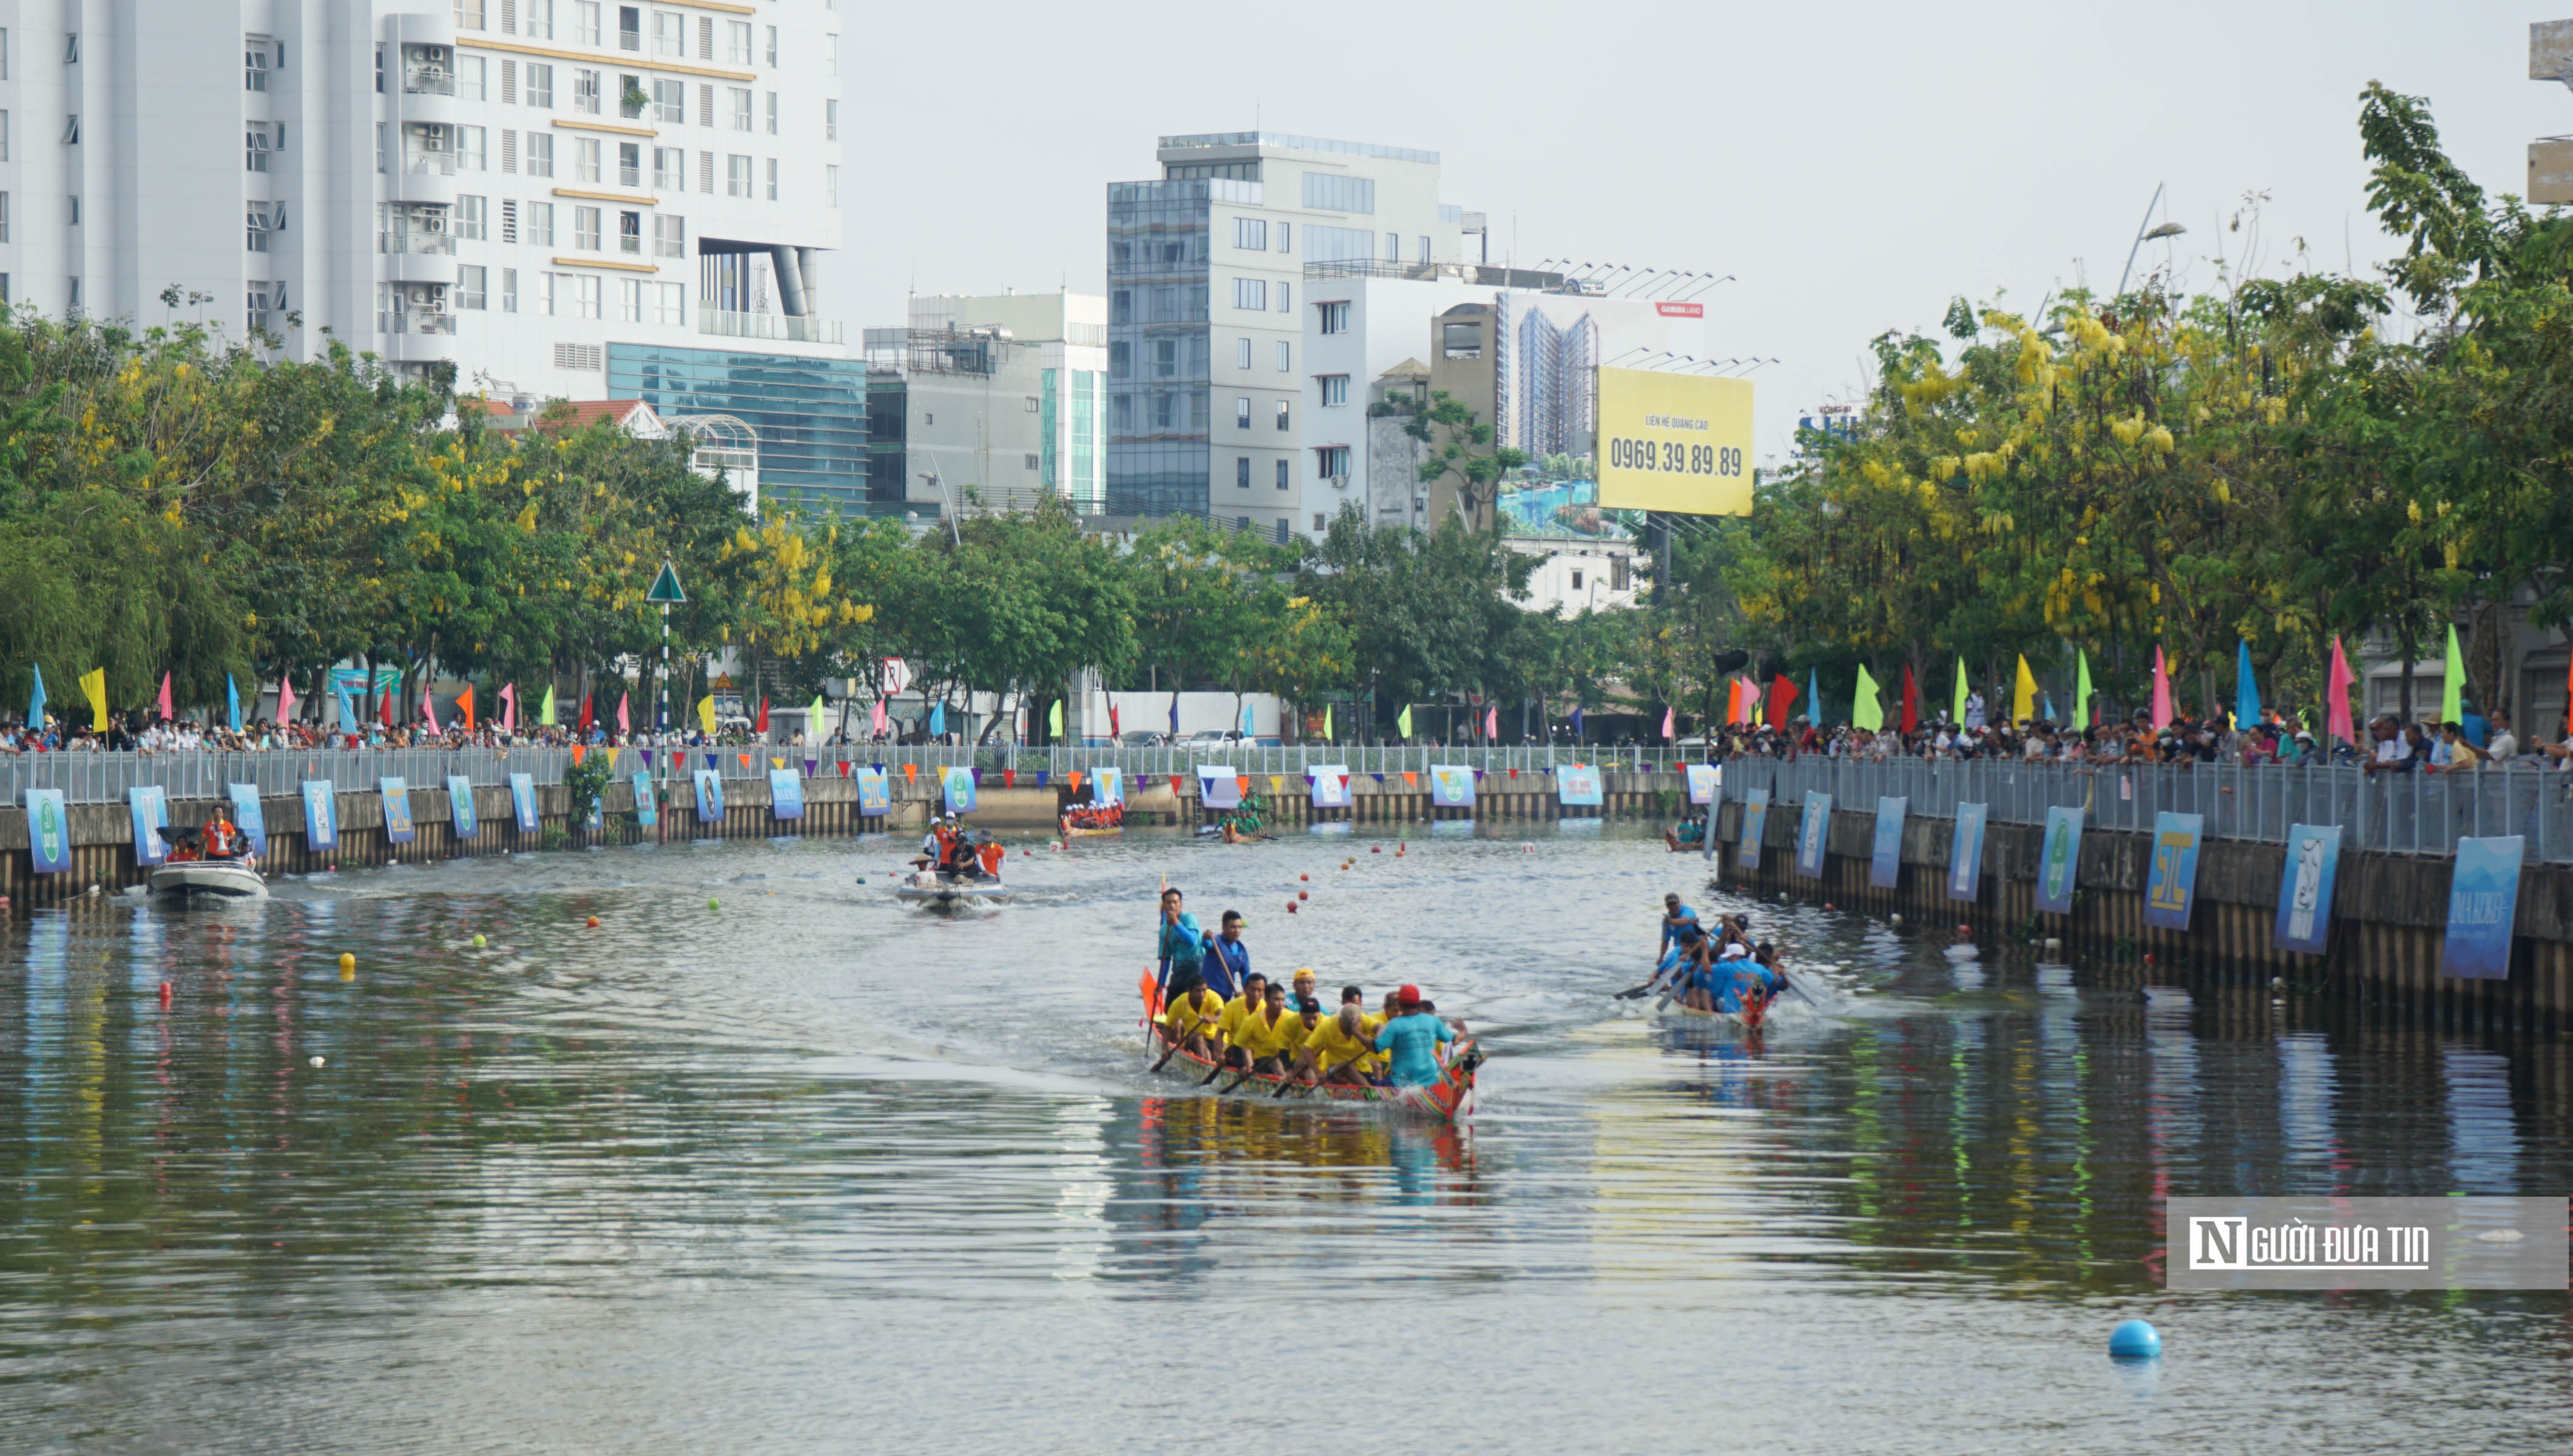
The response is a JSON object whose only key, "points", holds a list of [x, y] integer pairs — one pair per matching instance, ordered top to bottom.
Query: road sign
{"points": [[666, 587]]}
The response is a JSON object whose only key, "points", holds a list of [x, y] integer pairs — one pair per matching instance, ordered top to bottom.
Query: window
{"points": [[468, 14], [540, 19], [585, 21], [629, 27], [669, 33], [737, 42], [71, 48], [772, 51], [831, 53], [255, 63], [473, 74], [508, 81], [541, 86], [584, 91], [631, 99], [670, 102], [737, 107], [772, 113], [830, 121], [382, 131], [4, 136], [257, 144], [470, 153], [541, 153], [584, 159], [629, 164], [669, 169], [737, 177], [772, 179], [831, 183], [1331, 192], [75, 211], [265, 217], [472, 219], [509, 220], [541, 224], [584, 229], [3, 231], [1250, 233], [629, 234], [669, 237], [1286, 237], [1338, 244], [1393, 247], [1424, 251], [469, 287], [509, 291], [74, 292], [1251, 293], [585, 295], [629, 301], [670, 302], [1121, 306], [1284, 307], [1335, 317], [1462, 340], [1241, 354], [1283, 356], [1165, 358], [1121, 360], [1336, 390], [1120, 411], [1162, 413], [1281, 416], [1241, 420], [1331, 462], [1242, 473], [1285, 473], [1318, 521], [1577, 578]]}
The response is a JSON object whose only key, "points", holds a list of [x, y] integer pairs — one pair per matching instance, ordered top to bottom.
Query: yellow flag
{"points": [[94, 683], [2023, 702], [707, 712], [1866, 712], [1327, 722], [611, 758], [775, 762], [1277, 783]]}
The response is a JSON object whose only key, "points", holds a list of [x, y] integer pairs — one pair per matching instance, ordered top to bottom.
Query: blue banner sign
{"points": [[1703, 779], [1108, 785], [1330, 785], [1579, 785], [958, 786], [1218, 787], [1452, 788], [785, 794], [875, 794], [522, 802], [710, 805], [459, 806], [150, 810], [647, 810], [396, 811], [320, 814], [247, 815], [1755, 818], [49, 831], [1813, 834], [1966, 852], [1884, 859], [2058, 870], [2170, 881], [2305, 888], [2483, 904]]}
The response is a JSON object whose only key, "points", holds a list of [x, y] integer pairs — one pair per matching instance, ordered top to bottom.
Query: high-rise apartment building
{"points": [[519, 190], [1206, 293], [993, 398]]}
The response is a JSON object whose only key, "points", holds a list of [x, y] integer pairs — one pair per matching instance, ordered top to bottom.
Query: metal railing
{"points": [[727, 323], [2412, 813]]}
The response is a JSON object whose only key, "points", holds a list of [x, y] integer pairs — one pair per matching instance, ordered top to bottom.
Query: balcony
{"points": [[429, 81], [429, 163], [406, 241], [400, 321], [727, 324]]}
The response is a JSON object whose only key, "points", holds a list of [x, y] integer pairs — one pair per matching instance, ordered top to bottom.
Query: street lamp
{"points": [[2166, 230]]}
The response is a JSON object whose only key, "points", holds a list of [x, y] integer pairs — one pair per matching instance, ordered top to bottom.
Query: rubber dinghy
{"points": [[224, 879], [950, 892], [1449, 1097]]}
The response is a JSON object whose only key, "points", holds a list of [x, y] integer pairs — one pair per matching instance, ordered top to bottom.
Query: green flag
{"points": [[2452, 686], [2081, 688], [1866, 713], [546, 714], [1958, 718], [1054, 721], [813, 722], [1327, 722], [1402, 725]]}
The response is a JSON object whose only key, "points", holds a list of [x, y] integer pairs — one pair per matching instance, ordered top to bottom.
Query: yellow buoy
{"points": [[347, 966]]}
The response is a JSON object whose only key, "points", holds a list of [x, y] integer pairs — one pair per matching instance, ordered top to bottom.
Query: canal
{"points": [[804, 1169]]}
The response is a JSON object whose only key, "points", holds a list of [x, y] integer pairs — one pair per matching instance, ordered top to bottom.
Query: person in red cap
{"points": [[1413, 1037]]}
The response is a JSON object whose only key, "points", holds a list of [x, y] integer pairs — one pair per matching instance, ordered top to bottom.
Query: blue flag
{"points": [[2246, 693], [1813, 698], [36, 700], [232, 701], [2049, 707], [1175, 712], [347, 717], [937, 719], [1246, 720], [1576, 720]]}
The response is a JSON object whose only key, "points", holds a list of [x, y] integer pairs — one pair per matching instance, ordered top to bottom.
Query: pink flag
{"points": [[285, 701], [1750, 702], [510, 708], [429, 710], [166, 714], [2163, 714], [2336, 720], [877, 721], [1491, 722], [624, 724], [1667, 732]]}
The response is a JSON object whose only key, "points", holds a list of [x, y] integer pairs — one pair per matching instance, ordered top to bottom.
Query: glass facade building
{"points": [[1158, 343], [811, 413]]}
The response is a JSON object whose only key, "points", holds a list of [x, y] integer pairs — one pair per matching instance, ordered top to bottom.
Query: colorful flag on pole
{"points": [[2452, 682], [94, 687], [2082, 693], [2246, 693], [2024, 695], [285, 700], [1782, 700], [1911, 700], [232, 702], [465, 705], [510, 707], [385, 708], [428, 709], [545, 709], [706, 713], [1866, 713], [2162, 713], [168, 714], [1957, 714], [588, 716], [813, 717], [876, 719], [937, 719], [2336, 719], [1576, 720], [1054, 721], [1326, 721], [1403, 722], [1491, 722], [624, 724], [761, 727], [1114, 731], [1668, 733]]}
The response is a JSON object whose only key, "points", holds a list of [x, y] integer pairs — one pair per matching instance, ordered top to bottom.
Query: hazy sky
{"points": [[1855, 167]]}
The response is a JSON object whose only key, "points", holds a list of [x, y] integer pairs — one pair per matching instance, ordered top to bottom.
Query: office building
{"points": [[511, 190], [1206, 277], [994, 401]]}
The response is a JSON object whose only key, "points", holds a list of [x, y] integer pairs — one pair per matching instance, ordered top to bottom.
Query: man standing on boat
{"points": [[1181, 946], [1228, 960], [1413, 1037]]}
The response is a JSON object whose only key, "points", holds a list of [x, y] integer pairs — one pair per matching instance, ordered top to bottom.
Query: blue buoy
{"points": [[2135, 1339]]}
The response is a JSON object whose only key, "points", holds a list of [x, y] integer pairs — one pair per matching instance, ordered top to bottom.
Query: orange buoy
{"points": [[1303, 895], [593, 922]]}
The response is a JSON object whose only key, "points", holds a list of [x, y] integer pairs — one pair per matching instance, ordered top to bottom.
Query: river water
{"points": [[811, 1171]]}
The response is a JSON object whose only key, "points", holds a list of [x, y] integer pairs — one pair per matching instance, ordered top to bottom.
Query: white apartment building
{"points": [[522, 190], [1206, 281]]}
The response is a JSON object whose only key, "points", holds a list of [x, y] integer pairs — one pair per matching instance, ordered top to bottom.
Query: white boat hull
{"points": [[209, 876], [947, 894]]}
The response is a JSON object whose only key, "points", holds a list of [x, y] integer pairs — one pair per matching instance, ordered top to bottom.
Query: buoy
{"points": [[1376, 849], [1027, 854], [1304, 876], [93, 889], [1303, 895], [712, 903], [1826, 905], [1291, 907], [1896, 917], [593, 922], [478, 942], [2054, 944], [2149, 958], [348, 965], [2278, 983], [164, 996], [316, 1060], [2135, 1339]]}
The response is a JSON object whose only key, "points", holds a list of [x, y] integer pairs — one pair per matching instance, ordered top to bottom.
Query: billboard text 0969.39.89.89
{"points": [[1676, 442]]}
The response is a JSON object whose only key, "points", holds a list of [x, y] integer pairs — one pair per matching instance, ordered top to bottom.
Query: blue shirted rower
{"points": [[1675, 919], [1181, 946], [1226, 959], [1413, 1037]]}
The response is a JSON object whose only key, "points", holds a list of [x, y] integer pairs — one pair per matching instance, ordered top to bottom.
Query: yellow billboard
{"points": [[1676, 442]]}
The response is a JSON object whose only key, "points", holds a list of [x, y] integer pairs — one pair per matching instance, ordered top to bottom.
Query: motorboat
{"points": [[225, 878], [941, 891]]}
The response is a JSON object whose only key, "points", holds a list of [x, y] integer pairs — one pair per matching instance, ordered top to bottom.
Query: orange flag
{"points": [[465, 705], [576, 751], [745, 759], [910, 771], [1411, 779], [1076, 781], [1241, 783]]}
